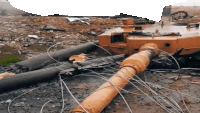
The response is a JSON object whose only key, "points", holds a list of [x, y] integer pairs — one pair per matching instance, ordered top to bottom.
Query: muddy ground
{"points": [[14, 30], [81, 85]]}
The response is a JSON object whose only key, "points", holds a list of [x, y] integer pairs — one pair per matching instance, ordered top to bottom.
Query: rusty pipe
{"points": [[134, 64]]}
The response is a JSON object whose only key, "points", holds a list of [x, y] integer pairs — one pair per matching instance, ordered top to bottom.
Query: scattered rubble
{"points": [[83, 20], [51, 28], [14, 30], [24, 33], [93, 33], [35, 37], [26, 44], [2, 45], [185, 77], [173, 78], [195, 82], [8, 101], [19, 104]]}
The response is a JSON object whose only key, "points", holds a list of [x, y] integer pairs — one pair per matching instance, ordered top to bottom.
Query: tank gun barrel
{"points": [[131, 66]]}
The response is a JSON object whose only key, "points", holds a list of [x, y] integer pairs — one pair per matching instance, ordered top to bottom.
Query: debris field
{"points": [[25, 37]]}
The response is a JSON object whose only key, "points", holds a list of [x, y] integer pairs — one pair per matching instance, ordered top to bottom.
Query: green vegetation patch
{"points": [[6, 60]]}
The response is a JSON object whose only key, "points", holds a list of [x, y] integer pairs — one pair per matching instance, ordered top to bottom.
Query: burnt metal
{"points": [[166, 11], [125, 16], [139, 22], [180, 24], [193, 25], [138, 28], [149, 34], [178, 52], [64, 54], [103, 59], [185, 61], [95, 63], [34, 77], [29, 78]]}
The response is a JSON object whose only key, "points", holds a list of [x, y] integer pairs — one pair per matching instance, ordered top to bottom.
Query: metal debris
{"points": [[83, 20], [51, 28], [35, 37], [63, 54], [78, 58], [34, 77], [185, 77], [173, 78], [195, 82], [8, 101], [19, 104]]}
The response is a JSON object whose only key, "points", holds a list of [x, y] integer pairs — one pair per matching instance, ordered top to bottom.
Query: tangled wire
{"points": [[160, 99]]}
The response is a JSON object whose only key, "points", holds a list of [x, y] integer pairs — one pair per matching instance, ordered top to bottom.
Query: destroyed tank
{"points": [[181, 41], [141, 43]]}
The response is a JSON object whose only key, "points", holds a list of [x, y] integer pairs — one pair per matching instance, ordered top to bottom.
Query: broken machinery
{"points": [[142, 43]]}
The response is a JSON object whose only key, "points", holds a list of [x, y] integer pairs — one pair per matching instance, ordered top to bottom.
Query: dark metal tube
{"points": [[64, 54], [34, 77], [29, 78]]}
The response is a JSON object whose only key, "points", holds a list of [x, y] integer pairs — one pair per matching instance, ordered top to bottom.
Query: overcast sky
{"points": [[3, 0], [186, 3], [189, 3]]}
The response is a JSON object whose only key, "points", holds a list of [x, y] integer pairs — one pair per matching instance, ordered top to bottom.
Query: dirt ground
{"points": [[14, 30], [83, 85]]}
